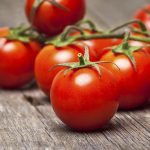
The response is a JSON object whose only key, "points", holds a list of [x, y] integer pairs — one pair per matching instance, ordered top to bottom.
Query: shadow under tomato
{"points": [[30, 86], [37, 101], [145, 106], [112, 126]]}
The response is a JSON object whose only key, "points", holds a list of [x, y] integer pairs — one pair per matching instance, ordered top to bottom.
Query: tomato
{"points": [[143, 15], [51, 20], [4, 31], [139, 43], [142, 44], [101, 46], [98, 47], [47, 58], [17, 61], [134, 84], [83, 99]]}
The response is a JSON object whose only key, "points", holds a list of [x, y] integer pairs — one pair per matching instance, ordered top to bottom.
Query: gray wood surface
{"points": [[27, 120]]}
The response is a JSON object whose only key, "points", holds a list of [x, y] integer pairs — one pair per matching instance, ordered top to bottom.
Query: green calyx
{"points": [[38, 3], [19, 33], [24, 34], [127, 50], [84, 62]]}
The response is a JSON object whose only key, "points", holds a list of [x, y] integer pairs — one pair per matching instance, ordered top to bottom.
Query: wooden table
{"points": [[27, 120]]}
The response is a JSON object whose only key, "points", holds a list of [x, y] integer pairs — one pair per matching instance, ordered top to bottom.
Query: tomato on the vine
{"points": [[143, 14], [51, 17], [140, 43], [101, 46], [98, 47], [47, 58], [16, 60], [134, 82], [82, 98]]}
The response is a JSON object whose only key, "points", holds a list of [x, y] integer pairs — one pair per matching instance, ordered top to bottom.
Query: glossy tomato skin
{"points": [[144, 16], [52, 20], [139, 43], [101, 46], [47, 58], [17, 63], [134, 85], [83, 100]]}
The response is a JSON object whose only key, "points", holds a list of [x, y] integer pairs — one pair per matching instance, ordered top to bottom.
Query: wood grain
{"points": [[27, 120]]}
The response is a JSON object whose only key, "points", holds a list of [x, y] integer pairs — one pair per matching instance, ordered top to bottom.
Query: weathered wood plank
{"points": [[20, 126]]}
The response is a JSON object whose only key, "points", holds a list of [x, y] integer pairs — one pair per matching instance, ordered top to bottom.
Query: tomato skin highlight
{"points": [[52, 20], [47, 58], [17, 63], [134, 85], [83, 100]]}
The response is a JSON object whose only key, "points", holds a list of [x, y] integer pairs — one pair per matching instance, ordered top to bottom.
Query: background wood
{"points": [[27, 120]]}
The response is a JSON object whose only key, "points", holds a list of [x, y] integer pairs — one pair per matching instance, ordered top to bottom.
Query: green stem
{"points": [[91, 25], [143, 28], [25, 29], [69, 29], [135, 30], [107, 36], [59, 42], [125, 44], [81, 59]]}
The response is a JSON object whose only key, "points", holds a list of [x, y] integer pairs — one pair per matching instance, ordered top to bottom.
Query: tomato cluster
{"points": [[85, 91]]}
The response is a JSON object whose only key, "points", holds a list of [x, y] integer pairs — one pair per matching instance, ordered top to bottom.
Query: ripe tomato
{"points": [[143, 15], [51, 20], [4, 31], [139, 43], [101, 46], [98, 47], [47, 58], [17, 61], [134, 84], [83, 100]]}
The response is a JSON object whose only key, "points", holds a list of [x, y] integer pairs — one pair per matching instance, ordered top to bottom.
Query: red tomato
{"points": [[144, 16], [51, 20], [4, 31], [139, 43], [101, 46], [98, 47], [47, 58], [17, 61], [134, 85], [83, 100]]}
